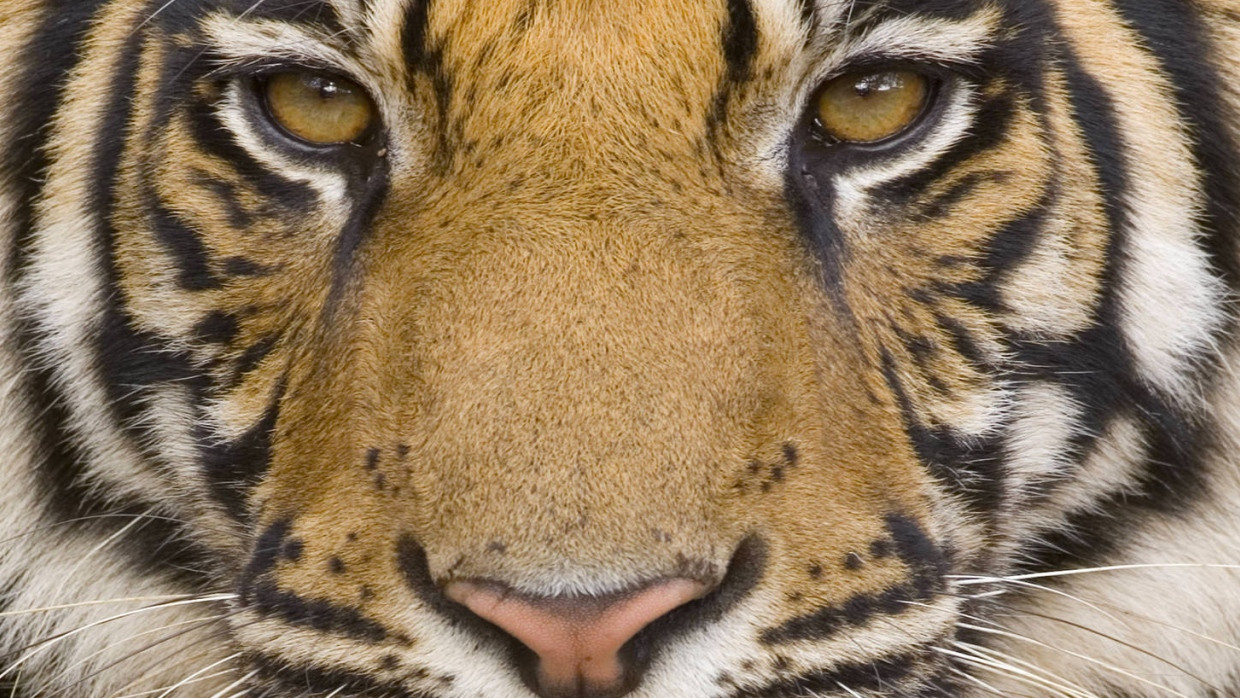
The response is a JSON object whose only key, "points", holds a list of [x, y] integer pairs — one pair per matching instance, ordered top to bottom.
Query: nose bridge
{"points": [[545, 90], [603, 337], [573, 390]]}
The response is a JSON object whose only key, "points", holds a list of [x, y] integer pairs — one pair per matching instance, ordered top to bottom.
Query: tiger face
{"points": [[724, 348]]}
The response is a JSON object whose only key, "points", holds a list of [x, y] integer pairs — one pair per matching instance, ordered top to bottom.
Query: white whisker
{"points": [[967, 580], [1060, 592], [100, 602], [1098, 605], [47, 643], [1078, 655], [1007, 658], [69, 668], [1014, 672], [206, 677], [190, 679], [985, 686], [220, 693]]}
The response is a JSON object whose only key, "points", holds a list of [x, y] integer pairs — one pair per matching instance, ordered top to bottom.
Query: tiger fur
{"points": [[954, 415]]}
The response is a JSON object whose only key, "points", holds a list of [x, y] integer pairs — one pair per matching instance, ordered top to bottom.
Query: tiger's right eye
{"points": [[872, 106], [318, 108]]}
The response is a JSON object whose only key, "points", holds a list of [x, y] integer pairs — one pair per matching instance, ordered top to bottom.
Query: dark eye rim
{"points": [[939, 81], [258, 82]]}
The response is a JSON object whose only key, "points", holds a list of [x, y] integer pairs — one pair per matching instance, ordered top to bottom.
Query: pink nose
{"points": [[578, 639]]}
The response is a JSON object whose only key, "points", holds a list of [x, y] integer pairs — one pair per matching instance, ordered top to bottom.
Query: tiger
{"points": [[591, 348]]}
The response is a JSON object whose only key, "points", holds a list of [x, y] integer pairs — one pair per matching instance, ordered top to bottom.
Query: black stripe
{"points": [[413, 36], [1178, 39], [740, 40], [51, 53], [989, 129], [285, 196], [368, 196], [943, 204], [813, 206], [184, 244], [1005, 251], [217, 327], [252, 357], [130, 360], [1097, 367], [234, 468], [970, 468], [156, 545], [927, 564], [269, 600], [885, 674], [312, 681]]}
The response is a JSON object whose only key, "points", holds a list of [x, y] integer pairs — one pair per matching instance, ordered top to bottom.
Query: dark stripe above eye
{"points": [[319, 13], [413, 35], [740, 40]]}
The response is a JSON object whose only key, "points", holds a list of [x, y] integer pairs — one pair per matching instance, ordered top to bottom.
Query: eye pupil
{"points": [[866, 107], [319, 109]]}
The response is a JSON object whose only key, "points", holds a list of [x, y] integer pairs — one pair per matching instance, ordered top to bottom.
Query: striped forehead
{"points": [[595, 29]]}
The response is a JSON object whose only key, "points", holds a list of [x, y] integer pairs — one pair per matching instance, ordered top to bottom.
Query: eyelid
{"points": [[922, 39], [250, 47], [952, 47]]}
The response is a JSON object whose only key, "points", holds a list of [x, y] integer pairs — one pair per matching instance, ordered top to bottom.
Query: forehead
{"points": [[589, 33]]}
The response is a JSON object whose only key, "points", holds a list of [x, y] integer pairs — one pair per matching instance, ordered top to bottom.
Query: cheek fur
{"points": [[597, 332]]}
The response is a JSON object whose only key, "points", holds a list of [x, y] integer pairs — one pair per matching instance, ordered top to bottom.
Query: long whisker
{"points": [[138, 522], [967, 580], [1058, 592], [97, 602], [1098, 605], [1084, 628], [157, 643], [44, 644], [191, 646], [1007, 658], [1098, 662], [68, 669], [1014, 672], [206, 677], [190, 679], [985, 686], [220, 693]]}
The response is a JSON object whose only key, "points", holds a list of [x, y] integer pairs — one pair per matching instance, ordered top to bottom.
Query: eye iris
{"points": [[868, 107], [319, 109]]}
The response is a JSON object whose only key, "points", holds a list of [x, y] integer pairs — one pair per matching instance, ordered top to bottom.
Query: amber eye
{"points": [[865, 107], [317, 108]]}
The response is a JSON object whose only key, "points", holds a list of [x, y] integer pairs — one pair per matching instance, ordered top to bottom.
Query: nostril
{"points": [[577, 639]]}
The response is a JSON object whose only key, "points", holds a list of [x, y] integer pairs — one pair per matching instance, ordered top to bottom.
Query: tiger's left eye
{"points": [[871, 106], [319, 109]]}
